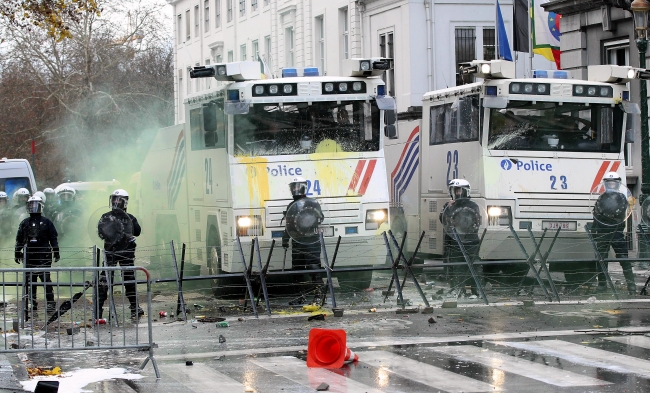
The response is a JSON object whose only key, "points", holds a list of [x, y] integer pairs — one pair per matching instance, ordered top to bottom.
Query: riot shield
{"points": [[611, 206], [464, 217], [303, 219], [115, 227]]}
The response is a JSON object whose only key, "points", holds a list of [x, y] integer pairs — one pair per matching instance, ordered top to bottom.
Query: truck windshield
{"points": [[551, 126], [322, 127], [11, 184]]}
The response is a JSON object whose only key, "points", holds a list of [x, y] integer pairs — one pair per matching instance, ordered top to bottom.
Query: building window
{"points": [[266, 2], [253, 5], [242, 7], [229, 11], [206, 15], [217, 15], [188, 25], [197, 25], [179, 29], [288, 34], [345, 39], [320, 48], [489, 48], [256, 50], [386, 50], [267, 51], [465, 51], [242, 53], [230, 56], [218, 59], [207, 80], [189, 82], [197, 83], [180, 94]]}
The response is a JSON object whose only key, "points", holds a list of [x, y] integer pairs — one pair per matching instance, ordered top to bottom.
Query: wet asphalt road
{"points": [[576, 346]]}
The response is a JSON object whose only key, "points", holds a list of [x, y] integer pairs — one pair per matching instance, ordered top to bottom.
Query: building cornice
{"points": [[566, 7]]}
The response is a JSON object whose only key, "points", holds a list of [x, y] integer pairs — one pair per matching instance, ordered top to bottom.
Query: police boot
{"points": [[136, 312]]}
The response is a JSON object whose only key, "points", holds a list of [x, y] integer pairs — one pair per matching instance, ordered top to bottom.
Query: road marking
{"points": [[637, 341], [388, 343], [585, 355], [519, 366], [297, 371], [423, 373], [200, 377]]}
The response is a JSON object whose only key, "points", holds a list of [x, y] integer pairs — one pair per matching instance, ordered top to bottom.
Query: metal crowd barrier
{"points": [[72, 325]]}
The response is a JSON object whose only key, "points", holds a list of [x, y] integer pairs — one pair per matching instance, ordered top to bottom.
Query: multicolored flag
{"points": [[546, 32], [264, 68]]}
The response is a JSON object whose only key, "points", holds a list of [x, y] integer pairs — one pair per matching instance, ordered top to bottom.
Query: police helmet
{"points": [[612, 181], [298, 186], [459, 188], [49, 193], [66, 194], [41, 195], [20, 197], [3, 199], [119, 199], [35, 204]]}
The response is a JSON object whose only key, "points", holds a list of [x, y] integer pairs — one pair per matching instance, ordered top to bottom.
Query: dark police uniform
{"points": [[607, 230], [39, 237], [121, 252], [305, 255], [461, 275]]}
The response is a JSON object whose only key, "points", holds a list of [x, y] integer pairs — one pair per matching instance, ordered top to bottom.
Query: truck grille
{"points": [[544, 205], [336, 212]]}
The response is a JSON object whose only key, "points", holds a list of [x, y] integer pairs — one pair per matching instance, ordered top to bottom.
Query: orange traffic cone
{"points": [[327, 349]]}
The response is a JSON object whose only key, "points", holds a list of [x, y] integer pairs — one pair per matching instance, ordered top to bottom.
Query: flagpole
{"points": [[496, 30], [530, 36]]}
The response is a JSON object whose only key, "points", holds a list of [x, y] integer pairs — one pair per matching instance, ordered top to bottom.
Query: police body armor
{"points": [[115, 228]]}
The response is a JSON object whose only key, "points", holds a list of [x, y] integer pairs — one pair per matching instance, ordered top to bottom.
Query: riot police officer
{"points": [[19, 201], [49, 210], [610, 212], [67, 215], [450, 217], [37, 236], [120, 248], [305, 251]]}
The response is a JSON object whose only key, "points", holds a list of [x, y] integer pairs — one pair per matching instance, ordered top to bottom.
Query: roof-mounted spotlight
{"points": [[374, 66], [489, 69], [237, 71], [615, 74]]}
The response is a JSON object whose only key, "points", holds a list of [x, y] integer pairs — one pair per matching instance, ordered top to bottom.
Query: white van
{"points": [[15, 174]]}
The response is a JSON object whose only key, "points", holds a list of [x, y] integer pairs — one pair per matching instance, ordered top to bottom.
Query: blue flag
{"points": [[504, 45]]}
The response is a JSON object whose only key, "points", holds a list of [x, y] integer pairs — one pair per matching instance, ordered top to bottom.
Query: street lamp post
{"points": [[640, 10]]}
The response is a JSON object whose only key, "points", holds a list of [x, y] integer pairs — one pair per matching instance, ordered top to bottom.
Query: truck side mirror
{"points": [[389, 117], [390, 131]]}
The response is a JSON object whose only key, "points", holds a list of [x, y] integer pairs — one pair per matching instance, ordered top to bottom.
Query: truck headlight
{"points": [[499, 216], [376, 217], [249, 225]]}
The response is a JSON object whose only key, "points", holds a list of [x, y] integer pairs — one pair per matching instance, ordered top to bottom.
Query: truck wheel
{"points": [[354, 281], [222, 287]]}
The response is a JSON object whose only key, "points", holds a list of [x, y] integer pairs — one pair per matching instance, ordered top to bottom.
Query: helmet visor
{"points": [[612, 184], [298, 188], [458, 192], [65, 197], [21, 199], [3, 202], [118, 202], [34, 207]]}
